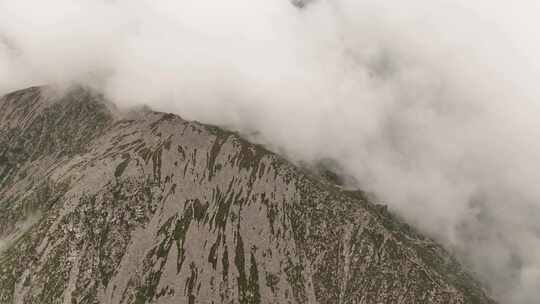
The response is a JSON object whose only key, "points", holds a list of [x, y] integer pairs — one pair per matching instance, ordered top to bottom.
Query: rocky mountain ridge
{"points": [[151, 208]]}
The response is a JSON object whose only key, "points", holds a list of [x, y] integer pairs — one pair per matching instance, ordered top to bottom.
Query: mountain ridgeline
{"points": [[146, 207]]}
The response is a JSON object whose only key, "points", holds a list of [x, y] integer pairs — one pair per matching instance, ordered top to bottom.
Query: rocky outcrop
{"points": [[150, 208]]}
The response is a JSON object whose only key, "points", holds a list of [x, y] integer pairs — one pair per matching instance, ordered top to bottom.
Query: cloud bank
{"points": [[432, 105]]}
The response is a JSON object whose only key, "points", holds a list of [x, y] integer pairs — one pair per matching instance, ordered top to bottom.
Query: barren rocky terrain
{"points": [[146, 207]]}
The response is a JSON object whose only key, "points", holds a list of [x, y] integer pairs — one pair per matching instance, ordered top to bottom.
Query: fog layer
{"points": [[431, 105]]}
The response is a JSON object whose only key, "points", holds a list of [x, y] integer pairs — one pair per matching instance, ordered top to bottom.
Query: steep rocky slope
{"points": [[151, 208]]}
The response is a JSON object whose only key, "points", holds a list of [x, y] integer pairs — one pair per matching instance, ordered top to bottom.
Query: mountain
{"points": [[98, 206]]}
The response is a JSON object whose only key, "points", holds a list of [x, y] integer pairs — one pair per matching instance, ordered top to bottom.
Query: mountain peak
{"points": [[152, 208]]}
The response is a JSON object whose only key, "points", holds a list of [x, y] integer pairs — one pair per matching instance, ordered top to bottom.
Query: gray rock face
{"points": [[151, 208]]}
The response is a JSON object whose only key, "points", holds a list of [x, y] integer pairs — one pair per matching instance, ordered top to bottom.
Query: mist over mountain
{"points": [[432, 106], [150, 208]]}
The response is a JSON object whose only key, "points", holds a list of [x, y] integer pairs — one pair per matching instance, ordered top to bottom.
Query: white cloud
{"points": [[433, 105]]}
